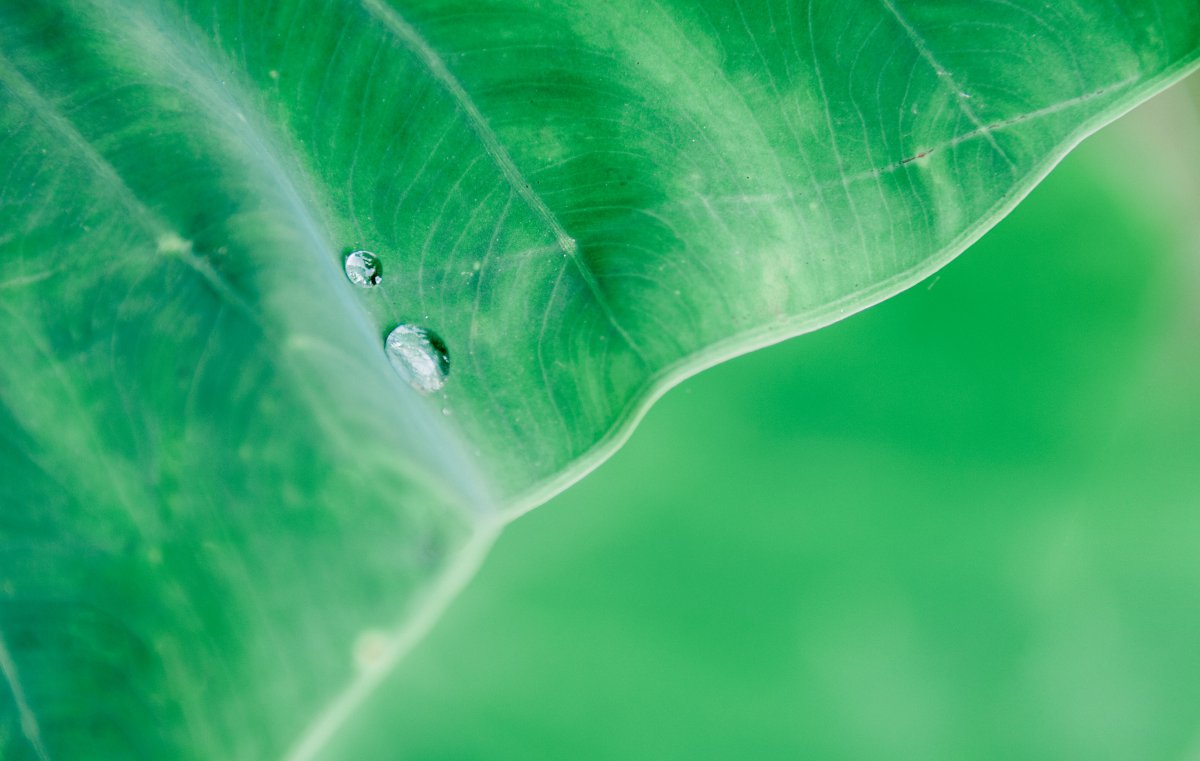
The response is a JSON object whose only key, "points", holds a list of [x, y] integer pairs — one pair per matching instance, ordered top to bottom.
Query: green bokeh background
{"points": [[963, 524]]}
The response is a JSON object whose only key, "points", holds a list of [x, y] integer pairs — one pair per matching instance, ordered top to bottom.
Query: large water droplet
{"points": [[363, 269], [419, 356]]}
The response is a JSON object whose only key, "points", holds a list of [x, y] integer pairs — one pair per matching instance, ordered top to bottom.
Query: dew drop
{"points": [[363, 269], [419, 356]]}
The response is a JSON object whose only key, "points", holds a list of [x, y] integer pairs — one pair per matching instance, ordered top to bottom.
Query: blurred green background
{"points": [[963, 524]]}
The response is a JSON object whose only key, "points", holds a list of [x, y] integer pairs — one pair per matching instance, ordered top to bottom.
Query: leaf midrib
{"points": [[164, 238]]}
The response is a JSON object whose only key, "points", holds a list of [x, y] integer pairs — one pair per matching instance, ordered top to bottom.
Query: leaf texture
{"points": [[222, 513]]}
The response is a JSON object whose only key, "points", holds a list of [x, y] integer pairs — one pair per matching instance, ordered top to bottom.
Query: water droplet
{"points": [[363, 269], [419, 356]]}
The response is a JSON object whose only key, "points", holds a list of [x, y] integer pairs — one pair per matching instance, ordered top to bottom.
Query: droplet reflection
{"points": [[363, 269]]}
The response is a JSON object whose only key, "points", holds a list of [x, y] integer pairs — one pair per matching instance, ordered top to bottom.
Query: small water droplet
{"points": [[363, 269], [419, 356]]}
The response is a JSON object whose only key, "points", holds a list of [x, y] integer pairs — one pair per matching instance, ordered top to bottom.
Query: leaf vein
{"points": [[412, 39], [944, 76], [29, 723]]}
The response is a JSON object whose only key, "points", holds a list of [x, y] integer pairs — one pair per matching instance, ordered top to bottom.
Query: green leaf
{"points": [[224, 514], [974, 538]]}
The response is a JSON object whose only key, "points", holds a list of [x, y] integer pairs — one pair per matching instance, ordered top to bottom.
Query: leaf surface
{"points": [[224, 513]]}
